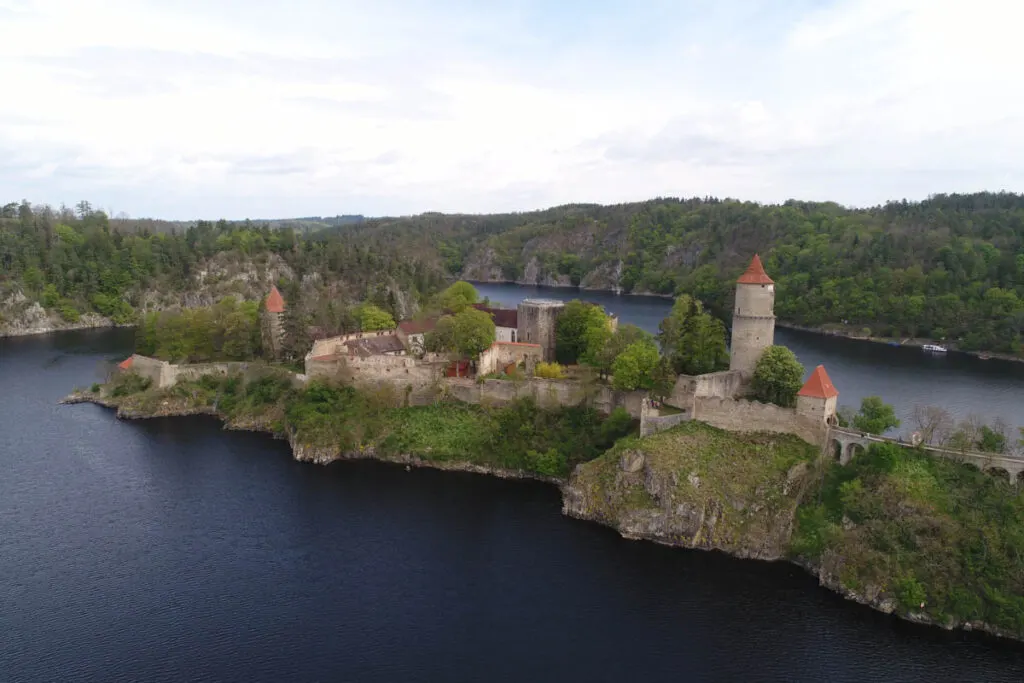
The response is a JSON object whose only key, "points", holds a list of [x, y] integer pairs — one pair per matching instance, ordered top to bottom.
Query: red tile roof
{"points": [[755, 274], [275, 302], [503, 317], [417, 326], [127, 362], [818, 385]]}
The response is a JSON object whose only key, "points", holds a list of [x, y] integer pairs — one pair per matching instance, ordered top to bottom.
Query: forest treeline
{"points": [[76, 261], [949, 267]]}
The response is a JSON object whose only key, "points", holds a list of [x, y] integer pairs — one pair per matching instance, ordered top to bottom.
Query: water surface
{"points": [[171, 550]]}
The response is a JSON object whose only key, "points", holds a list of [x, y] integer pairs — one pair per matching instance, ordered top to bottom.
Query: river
{"points": [[903, 376], [172, 550]]}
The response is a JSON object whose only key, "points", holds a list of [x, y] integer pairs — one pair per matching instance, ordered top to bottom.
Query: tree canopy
{"points": [[458, 297], [372, 318], [580, 325], [468, 333], [692, 339], [636, 367], [778, 377], [875, 416]]}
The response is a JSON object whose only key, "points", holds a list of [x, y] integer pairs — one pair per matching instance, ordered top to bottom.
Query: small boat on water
{"points": [[934, 348], [984, 356]]}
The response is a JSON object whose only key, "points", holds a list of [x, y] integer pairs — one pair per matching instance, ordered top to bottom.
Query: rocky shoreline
{"points": [[318, 455], [573, 506]]}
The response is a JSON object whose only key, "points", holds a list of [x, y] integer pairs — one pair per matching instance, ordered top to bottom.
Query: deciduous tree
{"points": [[778, 377]]}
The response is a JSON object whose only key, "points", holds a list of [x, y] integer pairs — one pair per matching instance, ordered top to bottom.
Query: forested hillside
{"points": [[948, 267], [65, 268]]}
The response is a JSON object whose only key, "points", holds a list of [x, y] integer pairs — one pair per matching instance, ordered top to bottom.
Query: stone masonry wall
{"points": [[753, 326], [546, 392], [751, 416]]}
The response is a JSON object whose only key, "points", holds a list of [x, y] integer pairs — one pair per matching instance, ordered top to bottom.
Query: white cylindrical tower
{"points": [[753, 318]]}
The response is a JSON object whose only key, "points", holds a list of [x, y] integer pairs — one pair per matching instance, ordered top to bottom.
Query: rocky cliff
{"points": [[225, 274], [698, 487]]}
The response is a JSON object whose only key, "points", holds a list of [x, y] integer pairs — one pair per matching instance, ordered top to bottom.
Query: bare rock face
{"points": [[482, 266], [631, 461], [676, 488]]}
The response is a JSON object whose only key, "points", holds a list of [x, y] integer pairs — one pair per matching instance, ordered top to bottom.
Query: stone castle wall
{"points": [[502, 354], [163, 374], [725, 384], [547, 393], [738, 415]]}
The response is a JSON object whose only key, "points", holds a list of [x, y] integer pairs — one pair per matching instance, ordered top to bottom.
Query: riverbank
{"points": [[847, 332], [749, 495]]}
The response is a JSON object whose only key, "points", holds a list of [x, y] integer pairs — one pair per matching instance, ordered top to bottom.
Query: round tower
{"points": [[753, 318]]}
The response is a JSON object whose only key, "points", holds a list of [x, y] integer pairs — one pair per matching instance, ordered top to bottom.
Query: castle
{"points": [[395, 359]]}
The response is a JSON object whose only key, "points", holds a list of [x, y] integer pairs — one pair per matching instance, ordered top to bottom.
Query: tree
{"points": [[458, 297], [373, 318], [572, 327], [296, 331], [474, 332], [468, 333], [441, 339], [693, 340], [614, 345], [705, 346], [635, 367], [778, 375], [875, 416], [934, 424], [991, 440]]}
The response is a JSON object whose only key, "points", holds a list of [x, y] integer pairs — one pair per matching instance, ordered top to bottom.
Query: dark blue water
{"points": [[902, 376], [171, 550]]}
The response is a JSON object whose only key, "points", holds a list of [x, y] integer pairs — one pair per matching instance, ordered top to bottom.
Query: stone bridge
{"points": [[843, 444]]}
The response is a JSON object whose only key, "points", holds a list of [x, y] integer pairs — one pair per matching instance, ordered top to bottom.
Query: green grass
{"points": [[699, 468]]}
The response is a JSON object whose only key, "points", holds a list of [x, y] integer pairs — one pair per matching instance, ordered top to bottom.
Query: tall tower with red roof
{"points": [[753, 318], [273, 323]]}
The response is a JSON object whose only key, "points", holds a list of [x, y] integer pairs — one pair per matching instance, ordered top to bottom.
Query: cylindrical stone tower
{"points": [[753, 318], [536, 324]]}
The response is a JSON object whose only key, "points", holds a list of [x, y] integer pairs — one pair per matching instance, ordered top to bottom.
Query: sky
{"points": [[249, 108]]}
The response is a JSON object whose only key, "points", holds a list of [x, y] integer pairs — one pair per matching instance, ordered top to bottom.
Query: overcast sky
{"points": [[250, 108]]}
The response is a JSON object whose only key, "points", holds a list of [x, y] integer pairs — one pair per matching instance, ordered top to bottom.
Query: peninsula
{"points": [[679, 442]]}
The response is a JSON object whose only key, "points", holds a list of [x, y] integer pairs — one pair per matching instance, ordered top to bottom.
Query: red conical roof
{"points": [[755, 274], [275, 302], [127, 362], [818, 385]]}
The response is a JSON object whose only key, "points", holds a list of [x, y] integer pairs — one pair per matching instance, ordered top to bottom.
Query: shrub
{"points": [[549, 371], [125, 384]]}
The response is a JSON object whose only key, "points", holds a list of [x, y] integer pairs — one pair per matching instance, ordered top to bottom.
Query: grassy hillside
{"points": [[698, 486]]}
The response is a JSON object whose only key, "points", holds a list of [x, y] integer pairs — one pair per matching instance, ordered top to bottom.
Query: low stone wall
{"points": [[500, 354], [163, 374], [688, 388], [548, 393], [738, 415], [652, 424]]}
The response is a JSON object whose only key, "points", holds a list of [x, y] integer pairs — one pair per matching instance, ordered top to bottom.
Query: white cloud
{"points": [[258, 108]]}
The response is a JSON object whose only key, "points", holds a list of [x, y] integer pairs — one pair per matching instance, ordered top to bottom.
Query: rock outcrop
{"points": [[697, 487]]}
